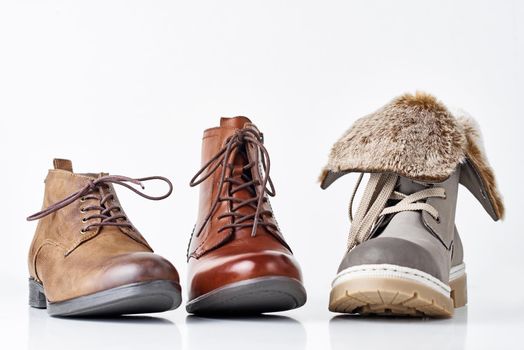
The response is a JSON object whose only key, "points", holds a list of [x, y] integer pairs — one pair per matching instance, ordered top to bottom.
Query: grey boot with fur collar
{"points": [[404, 252]]}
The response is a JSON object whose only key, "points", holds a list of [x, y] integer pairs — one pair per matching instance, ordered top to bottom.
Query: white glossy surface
{"points": [[127, 87], [487, 323]]}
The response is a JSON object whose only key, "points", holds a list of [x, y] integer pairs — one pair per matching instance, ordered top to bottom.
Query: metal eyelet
{"points": [[82, 199], [82, 210], [84, 219], [83, 232]]}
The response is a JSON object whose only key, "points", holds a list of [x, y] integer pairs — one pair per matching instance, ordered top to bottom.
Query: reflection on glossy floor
{"points": [[479, 326], [138, 332], [266, 332], [399, 333]]}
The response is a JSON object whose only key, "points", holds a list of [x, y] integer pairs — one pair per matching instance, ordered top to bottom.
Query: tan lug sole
{"points": [[396, 297]]}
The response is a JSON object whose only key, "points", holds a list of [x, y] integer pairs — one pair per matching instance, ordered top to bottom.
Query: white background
{"points": [[129, 86]]}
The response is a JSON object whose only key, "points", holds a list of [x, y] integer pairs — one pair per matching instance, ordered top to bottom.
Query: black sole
{"points": [[253, 296], [136, 298]]}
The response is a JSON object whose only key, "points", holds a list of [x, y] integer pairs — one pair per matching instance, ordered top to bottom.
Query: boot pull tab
{"points": [[63, 164], [482, 187]]}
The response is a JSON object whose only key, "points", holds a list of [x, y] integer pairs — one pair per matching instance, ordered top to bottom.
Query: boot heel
{"points": [[459, 291], [37, 297]]}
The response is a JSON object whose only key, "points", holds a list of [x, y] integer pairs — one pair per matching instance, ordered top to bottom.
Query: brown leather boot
{"points": [[404, 253], [87, 258], [238, 260]]}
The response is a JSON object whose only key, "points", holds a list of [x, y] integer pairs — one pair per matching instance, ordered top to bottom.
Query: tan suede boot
{"points": [[404, 253], [87, 258]]}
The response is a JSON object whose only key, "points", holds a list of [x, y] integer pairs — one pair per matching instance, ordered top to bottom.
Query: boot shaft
{"points": [[416, 138], [213, 140], [234, 189], [444, 226]]}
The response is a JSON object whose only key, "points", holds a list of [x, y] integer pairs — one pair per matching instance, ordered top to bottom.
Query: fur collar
{"points": [[414, 136]]}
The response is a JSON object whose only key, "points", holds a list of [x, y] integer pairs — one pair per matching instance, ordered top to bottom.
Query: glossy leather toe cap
{"points": [[132, 268], [217, 271]]}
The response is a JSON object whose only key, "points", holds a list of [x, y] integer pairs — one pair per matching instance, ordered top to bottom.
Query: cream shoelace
{"points": [[379, 189]]}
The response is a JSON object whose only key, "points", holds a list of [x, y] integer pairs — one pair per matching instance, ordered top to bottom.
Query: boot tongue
{"points": [[234, 122], [239, 159], [408, 186], [390, 222]]}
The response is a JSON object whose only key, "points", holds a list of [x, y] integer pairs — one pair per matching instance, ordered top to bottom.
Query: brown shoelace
{"points": [[257, 185], [105, 213]]}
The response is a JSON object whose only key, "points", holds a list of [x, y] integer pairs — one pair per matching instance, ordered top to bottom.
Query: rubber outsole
{"points": [[253, 296], [396, 296], [136, 298]]}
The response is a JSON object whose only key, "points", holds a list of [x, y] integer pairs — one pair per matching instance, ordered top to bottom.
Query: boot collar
{"points": [[417, 137]]}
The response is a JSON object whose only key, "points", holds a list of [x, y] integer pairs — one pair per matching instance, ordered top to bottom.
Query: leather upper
{"points": [[414, 239], [218, 256], [71, 263]]}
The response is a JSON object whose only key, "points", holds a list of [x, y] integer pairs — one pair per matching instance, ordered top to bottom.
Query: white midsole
{"points": [[457, 271], [400, 272]]}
